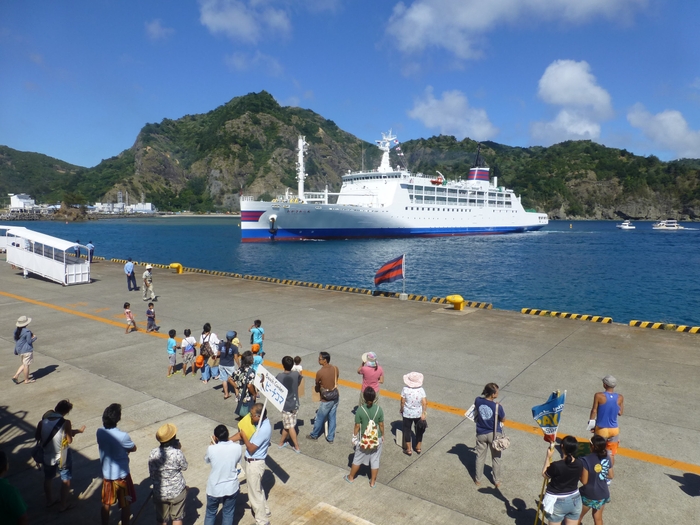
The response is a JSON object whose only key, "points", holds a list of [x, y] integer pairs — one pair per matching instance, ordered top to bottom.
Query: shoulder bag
{"points": [[332, 394], [501, 442], [38, 450]]}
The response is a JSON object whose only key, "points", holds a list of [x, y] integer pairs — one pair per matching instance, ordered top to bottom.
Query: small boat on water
{"points": [[669, 224], [626, 225]]}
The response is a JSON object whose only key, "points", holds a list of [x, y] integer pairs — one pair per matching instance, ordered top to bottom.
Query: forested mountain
{"points": [[203, 162]]}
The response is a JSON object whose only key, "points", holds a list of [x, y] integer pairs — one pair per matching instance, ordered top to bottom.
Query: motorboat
{"points": [[669, 224], [626, 225]]}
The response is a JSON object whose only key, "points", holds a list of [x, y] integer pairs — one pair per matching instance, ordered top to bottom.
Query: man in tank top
{"points": [[606, 407]]}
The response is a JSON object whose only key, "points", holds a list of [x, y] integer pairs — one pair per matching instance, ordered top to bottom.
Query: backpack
{"points": [[205, 348], [370, 437]]}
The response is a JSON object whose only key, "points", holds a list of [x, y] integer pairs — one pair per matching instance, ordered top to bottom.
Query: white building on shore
{"points": [[21, 202]]}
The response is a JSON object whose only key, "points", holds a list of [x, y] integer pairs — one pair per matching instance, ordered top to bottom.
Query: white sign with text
{"points": [[267, 384]]}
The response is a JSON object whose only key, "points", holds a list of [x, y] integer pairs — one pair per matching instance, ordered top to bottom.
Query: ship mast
{"points": [[385, 146], [301, 174]]}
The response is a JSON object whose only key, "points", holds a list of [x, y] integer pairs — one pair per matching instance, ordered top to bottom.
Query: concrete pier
{"points": [[83, 354]]}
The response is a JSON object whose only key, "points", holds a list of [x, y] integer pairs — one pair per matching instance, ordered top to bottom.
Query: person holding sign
{"points": [[290, 379], [255, 454], [562, 501]]}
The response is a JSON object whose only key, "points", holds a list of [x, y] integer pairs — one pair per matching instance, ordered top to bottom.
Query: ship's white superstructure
{"points": [[389, 202]]}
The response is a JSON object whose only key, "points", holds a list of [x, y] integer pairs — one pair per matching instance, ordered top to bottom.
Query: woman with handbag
{"points": [[414, 405], [488, 429]]}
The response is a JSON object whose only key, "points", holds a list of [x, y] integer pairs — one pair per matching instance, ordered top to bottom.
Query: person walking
{"points": [[91, 251], [130, 275], [147, 278], [188, 345], [24, 347], [228, 352], [372, 375], [291, 380], [327, 386], [607, 406], [414, 408], [485, 411], [56, 433], [114, 447], [368, 449], [255, 453], [165, 465], [597, 471], [222, 486], [562, 501]]}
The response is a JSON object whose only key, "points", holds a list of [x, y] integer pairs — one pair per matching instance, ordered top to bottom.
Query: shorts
{"points": [[130, 323], [27, 358], [188, 358], [172, 359], [226, 372], [289, 419], [612, 437], [370, 458], [65, 471], [118, 490], [595, 504], [568, 507], [171, 510]]}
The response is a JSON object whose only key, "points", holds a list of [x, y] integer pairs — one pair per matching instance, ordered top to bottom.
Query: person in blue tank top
{"points": [[607, 406]]}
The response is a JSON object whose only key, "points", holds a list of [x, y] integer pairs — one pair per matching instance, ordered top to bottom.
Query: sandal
{"points": [[15, 381], [29, 381], [417, 450], [408, 452], [346, 478]]}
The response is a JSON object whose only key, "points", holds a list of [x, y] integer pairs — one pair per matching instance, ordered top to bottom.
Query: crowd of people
{"points": [[226, 361]]}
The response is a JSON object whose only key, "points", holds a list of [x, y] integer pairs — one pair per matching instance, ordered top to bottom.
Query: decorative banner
{"points": [[390, 272], [274, 391], [548, 415]]}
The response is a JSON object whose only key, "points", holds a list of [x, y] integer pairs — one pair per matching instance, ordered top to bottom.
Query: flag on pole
{"points": [[390, 272], [548, 415]]}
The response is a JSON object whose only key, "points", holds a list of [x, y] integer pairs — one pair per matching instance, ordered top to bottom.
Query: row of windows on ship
{"points": [[492, 202]]}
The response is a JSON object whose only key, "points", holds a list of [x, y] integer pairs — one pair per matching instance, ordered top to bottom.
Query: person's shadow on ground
{"points": [[43, 372], [467, 455], [689, 483], [517, 510]]}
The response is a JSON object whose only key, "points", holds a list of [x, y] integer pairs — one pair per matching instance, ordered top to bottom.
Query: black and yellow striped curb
{"points": [[350, 289], [474, 304], [567, 315], [655, 326], [689, 329]]}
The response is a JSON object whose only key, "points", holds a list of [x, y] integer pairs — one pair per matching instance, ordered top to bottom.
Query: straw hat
{"points": [[149, 267], [23, 321], [370, 358], [413, 379], [166, 433]]}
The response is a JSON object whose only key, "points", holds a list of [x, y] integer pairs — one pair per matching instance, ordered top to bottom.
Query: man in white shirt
{"points": [[148, 292], [222, 486]]}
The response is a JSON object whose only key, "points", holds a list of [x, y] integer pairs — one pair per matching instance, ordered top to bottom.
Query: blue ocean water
{"points": [[580, 267]]}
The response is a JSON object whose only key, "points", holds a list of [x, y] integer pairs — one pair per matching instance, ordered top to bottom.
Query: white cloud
{"points": [[244, 21], [459, 25], [157, 31], [245, 62], [584, 104], [452, 115], [668, 130]]}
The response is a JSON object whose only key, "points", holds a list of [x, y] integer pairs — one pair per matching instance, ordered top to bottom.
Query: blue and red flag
{"points": [[390, 272], [548, 415]]}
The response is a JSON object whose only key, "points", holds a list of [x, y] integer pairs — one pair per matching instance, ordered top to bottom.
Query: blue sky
{"points": [[79, 79]]}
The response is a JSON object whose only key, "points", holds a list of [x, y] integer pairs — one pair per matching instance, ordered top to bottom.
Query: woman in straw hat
{"points": [[24, 341], [414, 405], [165, 465]]}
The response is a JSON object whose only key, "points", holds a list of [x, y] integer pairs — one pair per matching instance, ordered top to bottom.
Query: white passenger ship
{"points": [[389, 202]]}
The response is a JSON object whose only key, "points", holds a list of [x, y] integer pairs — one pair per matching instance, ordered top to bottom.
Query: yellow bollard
{"points": [[177, 267], [457, 301]]}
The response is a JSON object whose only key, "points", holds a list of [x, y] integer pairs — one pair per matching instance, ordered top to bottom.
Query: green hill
{"points": [[204, 162]]}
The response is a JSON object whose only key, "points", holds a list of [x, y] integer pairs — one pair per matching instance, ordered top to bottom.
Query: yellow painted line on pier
{"points": [[457, 411]]}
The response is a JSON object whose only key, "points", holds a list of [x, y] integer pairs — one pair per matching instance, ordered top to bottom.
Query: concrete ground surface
{"points": [[83, 354]]}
